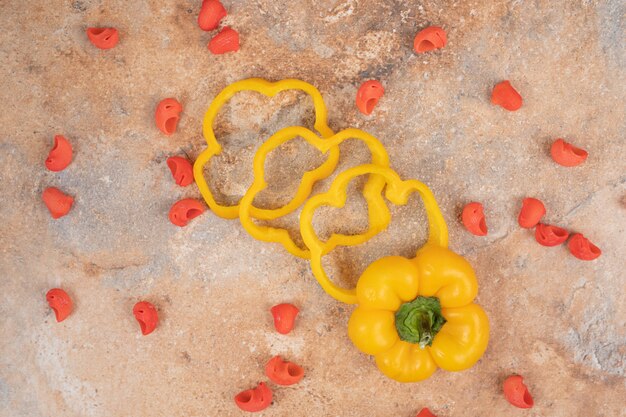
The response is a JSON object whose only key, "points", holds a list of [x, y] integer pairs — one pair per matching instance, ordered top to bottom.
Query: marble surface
{"points": [[556, 320]]}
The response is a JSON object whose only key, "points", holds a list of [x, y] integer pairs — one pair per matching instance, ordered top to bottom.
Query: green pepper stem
{"points": [[420, 320]]}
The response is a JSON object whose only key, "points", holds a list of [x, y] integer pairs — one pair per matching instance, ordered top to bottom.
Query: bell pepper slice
{"points": [[268, 89], [397, 192], [379, 215]]}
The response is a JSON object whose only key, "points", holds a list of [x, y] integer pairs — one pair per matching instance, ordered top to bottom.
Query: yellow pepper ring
{"points": [[268, 89], [397, 191], [379, 215]]}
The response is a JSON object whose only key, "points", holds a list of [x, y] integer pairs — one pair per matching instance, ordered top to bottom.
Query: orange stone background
{"points": [[558, 321]]}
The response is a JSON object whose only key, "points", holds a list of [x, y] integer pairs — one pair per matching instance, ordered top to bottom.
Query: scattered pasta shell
{"points": [[211, 13], [103, 38], [429, 39], [227, 40], [368, 95], [505, 96], [167, 115], [60, 155], [567, 155], [181, 170], [58, 203], [184, 210], [531, 213], [474, 219], [548, 235], [582, 248], [60, 302], [147, 317], [284, 317], [282, 372], [517, 393], [255, 399], [425, 413]]}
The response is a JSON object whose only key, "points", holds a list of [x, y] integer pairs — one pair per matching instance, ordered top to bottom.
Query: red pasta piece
{"points": [[211, 13], [103, 38], [429, 39], [227, 40], [368, 95], [505, 96], [167, 115], [60, 155], [567, 155], [181, 169], [58, 203], [184, 210], [531, 213], [474, 219], [548, 235], [582, 248], [60, 302], [147, 317], [284, 317], [282, 372], [516, 392], [255, 399], [425, 413]]}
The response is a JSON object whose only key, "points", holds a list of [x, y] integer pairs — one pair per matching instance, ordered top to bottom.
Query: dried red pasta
{"points": [[211, 13], [103, 38], [429, 39], [227, 40], [368, 95], [505, 96], [167, 115], [566, 154], [60, 155], [181, 170], [58, 203], [185, 210], [531, 213], [474, 219], [548, 235], [582, 248], [60, 302], [147, 317], [284, 317], [282, 372], [517, 393], [255, 399], [425, 413]]}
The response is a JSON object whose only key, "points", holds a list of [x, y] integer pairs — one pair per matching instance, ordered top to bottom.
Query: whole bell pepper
{"points": [[417, 315]]}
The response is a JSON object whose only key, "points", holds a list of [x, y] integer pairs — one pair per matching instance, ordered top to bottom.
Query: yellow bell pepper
{"points": [[414, 315], [417, 315]]}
